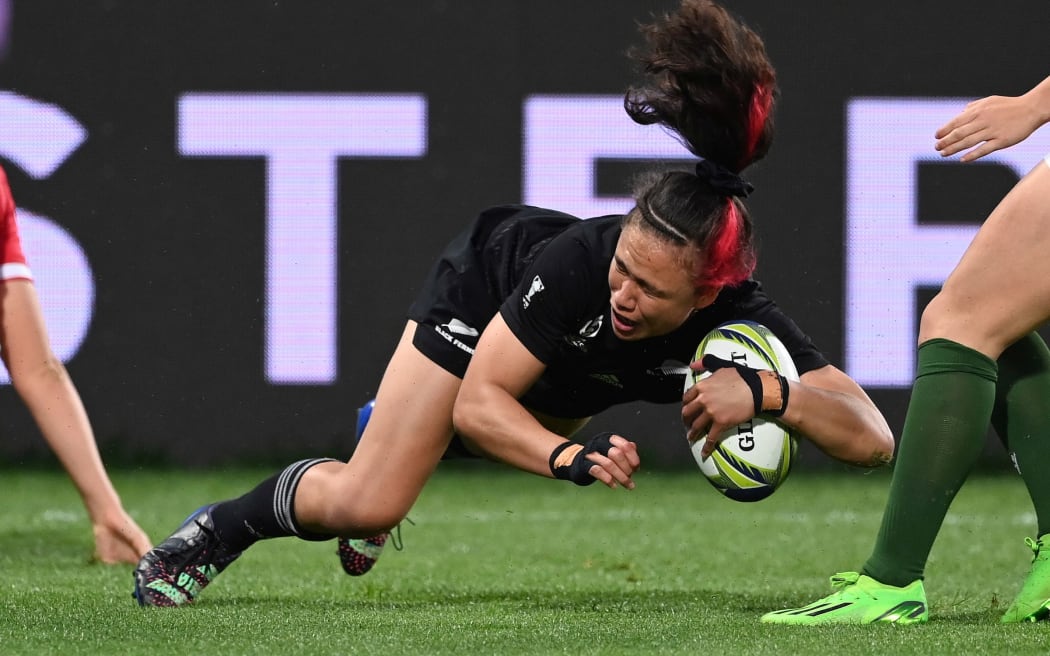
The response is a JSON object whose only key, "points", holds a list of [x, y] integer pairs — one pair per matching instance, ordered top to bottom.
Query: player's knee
{"points": [[939, 318], [957, 318], [354, 512], [352, 521]]}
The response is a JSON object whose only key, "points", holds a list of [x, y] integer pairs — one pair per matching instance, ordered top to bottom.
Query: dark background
{"points": [[171, 369]]}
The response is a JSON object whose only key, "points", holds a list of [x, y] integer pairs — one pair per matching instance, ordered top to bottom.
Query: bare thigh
{"points": [[1000, 290], [407, 433]]}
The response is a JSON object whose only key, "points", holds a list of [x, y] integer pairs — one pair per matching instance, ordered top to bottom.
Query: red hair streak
{"points": [[758, 114], [722, 264]]}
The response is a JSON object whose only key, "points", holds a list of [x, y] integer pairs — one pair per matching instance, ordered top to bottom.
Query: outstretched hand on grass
{"points": [[118, 539]]}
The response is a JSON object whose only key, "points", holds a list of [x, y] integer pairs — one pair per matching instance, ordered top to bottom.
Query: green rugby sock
{"points": [[1022, 417], [944, 431]]}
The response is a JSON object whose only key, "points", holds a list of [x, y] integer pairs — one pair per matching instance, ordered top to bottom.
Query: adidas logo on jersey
{"points": [[608, 379]]}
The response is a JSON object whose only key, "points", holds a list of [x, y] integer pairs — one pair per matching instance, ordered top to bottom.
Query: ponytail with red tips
{"points": [[709, 82]]}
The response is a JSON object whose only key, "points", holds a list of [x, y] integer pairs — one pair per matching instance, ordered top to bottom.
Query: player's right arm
{"points": [[994, 123], [42, 382], [487, 412]]}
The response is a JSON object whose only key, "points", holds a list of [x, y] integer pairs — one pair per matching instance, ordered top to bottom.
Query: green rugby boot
{"points": [[859, 599], [1032, 603]]}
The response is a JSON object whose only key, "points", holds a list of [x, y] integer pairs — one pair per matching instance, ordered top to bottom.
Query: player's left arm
{"points": [[826, 406], [487, 412], [835, 413]]}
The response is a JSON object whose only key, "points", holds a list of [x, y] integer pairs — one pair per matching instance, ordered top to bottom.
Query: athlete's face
{"points": [[651, 285]]}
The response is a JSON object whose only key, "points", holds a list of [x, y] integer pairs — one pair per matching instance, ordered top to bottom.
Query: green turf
{"points": [[506, 563]]}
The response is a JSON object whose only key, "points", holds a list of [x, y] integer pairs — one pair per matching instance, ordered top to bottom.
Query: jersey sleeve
{"points": [[12, 260], [554, 297]]}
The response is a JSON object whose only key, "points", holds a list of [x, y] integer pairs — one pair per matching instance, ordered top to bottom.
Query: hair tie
{"points": [[722, 179]]}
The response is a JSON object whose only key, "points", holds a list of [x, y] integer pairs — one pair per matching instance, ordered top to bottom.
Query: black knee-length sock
{"points": [[265, 512]]}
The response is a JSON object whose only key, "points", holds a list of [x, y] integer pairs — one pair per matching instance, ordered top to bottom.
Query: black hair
{"points": [[708, 81]]}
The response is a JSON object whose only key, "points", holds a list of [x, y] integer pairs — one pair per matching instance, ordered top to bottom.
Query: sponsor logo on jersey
{"points": [[535, 288], [592, 327], [588, 332]]}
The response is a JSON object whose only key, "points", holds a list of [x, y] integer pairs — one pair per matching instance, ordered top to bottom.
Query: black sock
{"points": [[265, 512]]}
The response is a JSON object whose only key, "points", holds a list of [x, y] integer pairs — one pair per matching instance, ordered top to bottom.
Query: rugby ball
{"points": [[755, 458]]}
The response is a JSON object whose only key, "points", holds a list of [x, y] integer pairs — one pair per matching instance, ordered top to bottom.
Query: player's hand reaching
{"points": [[990, 124], [731, 395], [606, 457], [118, 539]]}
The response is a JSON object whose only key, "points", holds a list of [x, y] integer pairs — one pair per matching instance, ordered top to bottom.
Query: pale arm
{"points": [[994, 123], [44, 385], [487, 411]]}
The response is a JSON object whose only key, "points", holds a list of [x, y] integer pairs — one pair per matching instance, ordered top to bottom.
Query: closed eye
{"points": [[647, 287]]}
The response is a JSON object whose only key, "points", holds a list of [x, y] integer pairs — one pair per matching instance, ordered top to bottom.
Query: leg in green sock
{"points": [[1022, 417], [1022, 420], [944, 431]]}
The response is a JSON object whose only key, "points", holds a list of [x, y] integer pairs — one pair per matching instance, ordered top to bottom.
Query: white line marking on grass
{"points": [[648, 514], [60, 517], [832, 518], [1019, 519]]}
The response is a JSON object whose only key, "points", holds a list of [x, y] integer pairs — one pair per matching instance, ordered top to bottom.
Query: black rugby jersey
{"points": [[553, 275]]}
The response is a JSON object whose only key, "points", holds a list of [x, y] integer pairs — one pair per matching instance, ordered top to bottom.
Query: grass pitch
{"points": [[500, 562]]}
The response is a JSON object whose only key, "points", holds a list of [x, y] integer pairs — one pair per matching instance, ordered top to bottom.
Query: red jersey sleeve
{"points": [[12, 259]]}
